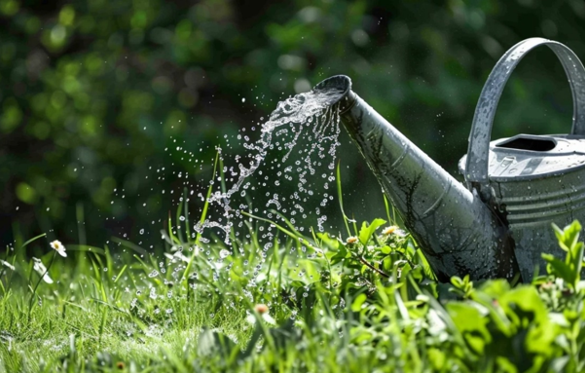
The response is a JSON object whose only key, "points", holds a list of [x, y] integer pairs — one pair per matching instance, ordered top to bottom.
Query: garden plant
{"points": [[367, 301]]}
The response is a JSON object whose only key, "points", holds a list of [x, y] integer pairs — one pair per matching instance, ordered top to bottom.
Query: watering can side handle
{"points": [[476, 170]]}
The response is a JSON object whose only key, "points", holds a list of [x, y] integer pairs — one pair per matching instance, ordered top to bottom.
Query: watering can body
{"points": [[534, 181], [498, 222]]}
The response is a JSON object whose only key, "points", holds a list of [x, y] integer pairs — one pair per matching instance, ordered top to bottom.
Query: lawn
{"points": [[367, 302]]}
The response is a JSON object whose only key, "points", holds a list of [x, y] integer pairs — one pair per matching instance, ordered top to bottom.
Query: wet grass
{"points": [[365, 303]]}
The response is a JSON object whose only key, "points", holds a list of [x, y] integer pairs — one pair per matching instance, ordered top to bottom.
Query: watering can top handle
{"points": [[483, 119]]}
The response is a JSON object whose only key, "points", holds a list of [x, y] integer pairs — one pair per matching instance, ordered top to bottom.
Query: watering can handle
{"points": [[476, 169]]}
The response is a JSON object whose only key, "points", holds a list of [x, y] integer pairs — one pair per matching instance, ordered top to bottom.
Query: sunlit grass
{"points": [[314, 302]]}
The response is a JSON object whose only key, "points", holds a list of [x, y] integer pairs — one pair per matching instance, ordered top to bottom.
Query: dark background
{"points": [[96, 95]]}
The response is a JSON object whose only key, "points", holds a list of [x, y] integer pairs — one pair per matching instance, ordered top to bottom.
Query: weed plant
{"points": [[366, 302]]}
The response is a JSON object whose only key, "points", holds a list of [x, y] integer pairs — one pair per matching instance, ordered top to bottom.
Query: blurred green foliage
{"points": [[93, 92]]}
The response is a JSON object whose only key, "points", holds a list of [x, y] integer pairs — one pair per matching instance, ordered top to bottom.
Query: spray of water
{"points": [[288, 173]]}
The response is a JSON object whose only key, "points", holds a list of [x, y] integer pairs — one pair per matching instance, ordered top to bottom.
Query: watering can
{"points": [[498, 222]]}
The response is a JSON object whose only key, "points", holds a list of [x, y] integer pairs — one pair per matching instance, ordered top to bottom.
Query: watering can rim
{"points": [[344, 96], [556, 138], [568, 150], [507, 179]]}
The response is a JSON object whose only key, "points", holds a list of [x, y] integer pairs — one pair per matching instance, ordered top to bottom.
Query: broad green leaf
{"points": [[367, 231], [571, 233], [559, 234], [568, 236], [331, 242], [343, 253], [577, 261], [387, 264], [560, 268], [457, 281], [495, 288], [527, 298], [356, 306], [525, 307], [497, 314], [471, 323], [437, 358], [505, 365]]}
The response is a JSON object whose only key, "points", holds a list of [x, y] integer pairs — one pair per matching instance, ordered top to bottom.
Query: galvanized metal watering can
{"points": [[499, 222]]}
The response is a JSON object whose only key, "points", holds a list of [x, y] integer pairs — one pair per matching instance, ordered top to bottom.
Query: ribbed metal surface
{"points": [[531, 206], [545, 208]]}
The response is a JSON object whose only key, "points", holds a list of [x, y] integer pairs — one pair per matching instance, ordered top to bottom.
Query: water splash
{"points": [[292, 163], [286, 175]]}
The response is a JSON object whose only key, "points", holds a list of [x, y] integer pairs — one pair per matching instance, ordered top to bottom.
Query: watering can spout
{"points": [[458, 233]]}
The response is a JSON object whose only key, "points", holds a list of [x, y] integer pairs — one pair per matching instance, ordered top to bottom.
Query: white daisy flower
{"points": [[394, 229], [351, 240], [58, 246], [6, 264], [42, 270], [263, 311]]}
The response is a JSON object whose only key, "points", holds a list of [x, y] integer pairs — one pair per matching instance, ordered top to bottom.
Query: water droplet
{"points": [[223, 253]]}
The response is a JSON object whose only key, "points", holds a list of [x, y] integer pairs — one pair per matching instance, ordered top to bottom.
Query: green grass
{"points": [[364, 303], [368, 304]]}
